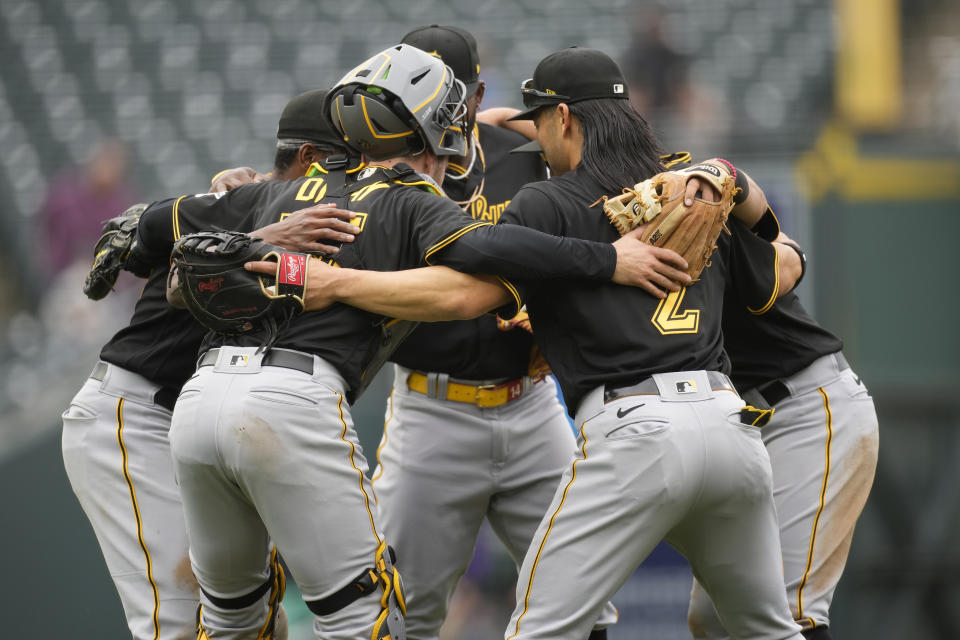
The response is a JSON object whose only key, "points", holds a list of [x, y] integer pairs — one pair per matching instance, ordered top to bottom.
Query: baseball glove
{"points": [[658, 203], [111, 252], [226, 298]]}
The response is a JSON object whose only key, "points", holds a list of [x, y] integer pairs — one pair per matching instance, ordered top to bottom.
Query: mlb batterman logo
{"points": [[618, 88], [686, 386]]}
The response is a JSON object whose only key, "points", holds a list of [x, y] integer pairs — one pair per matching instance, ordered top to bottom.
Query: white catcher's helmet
{"points": [[400, 102]]}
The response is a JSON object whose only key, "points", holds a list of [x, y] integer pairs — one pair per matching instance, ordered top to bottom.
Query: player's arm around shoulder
{"points": [[427, 294]]}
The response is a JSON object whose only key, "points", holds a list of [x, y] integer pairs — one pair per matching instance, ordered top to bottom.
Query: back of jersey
{"points": [[402, 217], [594, 334]]}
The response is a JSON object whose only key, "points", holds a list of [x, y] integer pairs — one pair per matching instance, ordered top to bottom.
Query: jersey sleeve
{"points": [[532, 208], [166, 221], [437, 222], [754, 271]]}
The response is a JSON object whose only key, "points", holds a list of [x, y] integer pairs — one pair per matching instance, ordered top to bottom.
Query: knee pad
{"points": [[383, 575], [275, 627]]}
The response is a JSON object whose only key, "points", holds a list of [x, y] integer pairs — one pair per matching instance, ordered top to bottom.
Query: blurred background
{"points": [[847, 112]]}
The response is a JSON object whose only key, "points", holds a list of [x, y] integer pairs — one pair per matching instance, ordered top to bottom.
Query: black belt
{"points": [[273, 358], [648, 386], [776, 391], [166, 397]]}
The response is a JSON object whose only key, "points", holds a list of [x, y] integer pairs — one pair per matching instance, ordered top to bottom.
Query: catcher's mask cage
{"points": [[400, 102]]}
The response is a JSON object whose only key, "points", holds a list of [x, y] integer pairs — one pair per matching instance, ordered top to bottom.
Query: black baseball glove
{"points": [[112, 252], [225, 297]]}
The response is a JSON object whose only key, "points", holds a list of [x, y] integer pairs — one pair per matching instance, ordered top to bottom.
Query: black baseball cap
{"points": [[456, 47], [572, 75], [305, 118]]}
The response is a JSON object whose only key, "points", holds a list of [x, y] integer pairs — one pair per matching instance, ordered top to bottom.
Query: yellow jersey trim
{"points": [[176, 218], [449, 239], [776, 287], [512, 290]]}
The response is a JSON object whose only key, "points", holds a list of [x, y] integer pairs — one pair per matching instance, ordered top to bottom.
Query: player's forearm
{"points": [[498, 117], [754, 204], [516, 252], [791, 265], [789, 268], [430, 294]]}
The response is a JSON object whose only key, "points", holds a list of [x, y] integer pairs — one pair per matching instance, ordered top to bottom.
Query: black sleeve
{"points": [[533, 208], [164, 222], [155, 232], [533, 251], [516, 252], [754, 272]]}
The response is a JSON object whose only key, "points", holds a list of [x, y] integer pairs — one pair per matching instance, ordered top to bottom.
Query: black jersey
{"points": [[402, 220], [404, 223], [602, 333], [161, 342], [771, 344], [477, 349]]}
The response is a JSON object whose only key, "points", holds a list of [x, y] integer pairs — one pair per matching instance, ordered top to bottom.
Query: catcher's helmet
{"points": [[401, 101]]}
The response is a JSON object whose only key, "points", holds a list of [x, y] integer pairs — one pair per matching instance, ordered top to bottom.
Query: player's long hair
{"points": [[619, 148]]}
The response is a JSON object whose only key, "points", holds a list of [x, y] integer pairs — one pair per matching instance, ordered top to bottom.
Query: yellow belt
{"points": [[486, 395]]}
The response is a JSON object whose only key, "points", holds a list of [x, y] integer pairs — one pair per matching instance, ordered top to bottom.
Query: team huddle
{"points": [[710, 410]]}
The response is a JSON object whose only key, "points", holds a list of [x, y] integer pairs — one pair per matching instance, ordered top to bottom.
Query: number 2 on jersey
{"points": [[669, 319]]}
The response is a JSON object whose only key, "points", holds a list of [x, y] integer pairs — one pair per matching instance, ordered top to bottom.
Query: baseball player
{"points": [[299, 152], [470, 431], [822, 441], [263, 446], [115, 448], [664, 451]]}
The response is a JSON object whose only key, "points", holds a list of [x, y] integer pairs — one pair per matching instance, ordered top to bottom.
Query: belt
{"points": [[273, 358], [648, 386], [777, 391], [482, 395], [166, 397]]}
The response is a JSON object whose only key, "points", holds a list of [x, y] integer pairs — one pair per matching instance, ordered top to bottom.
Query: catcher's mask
{"points": [[400, 102]]}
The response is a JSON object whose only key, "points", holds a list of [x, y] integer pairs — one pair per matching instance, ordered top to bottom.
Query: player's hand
{"points": [[232, 178], [697, 188], [303, 230], [651, 268], [320, 286]]}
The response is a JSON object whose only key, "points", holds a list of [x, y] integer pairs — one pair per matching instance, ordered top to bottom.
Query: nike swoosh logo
{"points": [[623, 412]]}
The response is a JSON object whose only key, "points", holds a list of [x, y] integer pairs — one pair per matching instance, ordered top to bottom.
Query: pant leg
{"points": [[535, 446], [823, 447], [117, 458], [282, 461], [433, 485], [620, 494], [730, 536], [229, 545]]}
